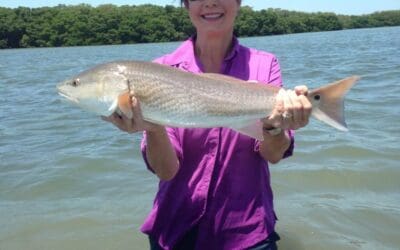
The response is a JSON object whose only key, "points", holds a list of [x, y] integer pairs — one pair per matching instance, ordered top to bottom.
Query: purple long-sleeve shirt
{"points": [[223, 184]]}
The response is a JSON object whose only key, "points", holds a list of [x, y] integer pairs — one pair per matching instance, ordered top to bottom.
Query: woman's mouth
{"points": [[212, 17]]}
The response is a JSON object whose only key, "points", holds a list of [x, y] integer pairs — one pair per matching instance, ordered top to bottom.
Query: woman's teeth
{"points": [[212, 16]]}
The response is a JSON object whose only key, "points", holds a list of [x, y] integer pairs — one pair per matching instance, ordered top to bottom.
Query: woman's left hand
{"points": [[292, 109]]}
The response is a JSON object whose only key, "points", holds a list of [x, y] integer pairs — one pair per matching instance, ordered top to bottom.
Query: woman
{"points": [[214, 190]]}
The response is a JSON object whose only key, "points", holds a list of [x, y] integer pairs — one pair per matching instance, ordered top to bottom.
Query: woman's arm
{"points": [[273, 148], [160, 153]]}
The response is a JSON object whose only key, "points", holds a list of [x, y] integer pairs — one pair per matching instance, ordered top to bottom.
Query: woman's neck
{"points": [[212, 51]]}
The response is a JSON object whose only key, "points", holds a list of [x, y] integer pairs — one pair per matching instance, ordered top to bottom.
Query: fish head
{"points": [[96, 90]]}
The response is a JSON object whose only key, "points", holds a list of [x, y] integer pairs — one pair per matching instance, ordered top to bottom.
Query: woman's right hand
{"points": [[292, 109], [134, 124]]}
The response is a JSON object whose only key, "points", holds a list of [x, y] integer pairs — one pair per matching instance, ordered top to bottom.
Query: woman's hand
{"points": [[292, 109], [134, 124]]}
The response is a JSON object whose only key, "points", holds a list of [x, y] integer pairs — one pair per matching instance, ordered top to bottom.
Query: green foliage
{"points": [[109, 24]]}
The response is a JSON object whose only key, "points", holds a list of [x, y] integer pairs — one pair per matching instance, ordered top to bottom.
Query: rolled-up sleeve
{"points": [[275, 75], [173, 137], [289, 151]]}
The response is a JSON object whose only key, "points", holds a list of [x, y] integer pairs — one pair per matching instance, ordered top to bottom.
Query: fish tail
{"points": [[328, 102]]}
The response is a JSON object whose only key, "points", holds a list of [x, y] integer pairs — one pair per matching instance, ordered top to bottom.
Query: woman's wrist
{"points": [[155, 128], [272, 131]]}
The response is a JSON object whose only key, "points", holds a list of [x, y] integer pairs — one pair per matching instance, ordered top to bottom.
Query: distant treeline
{"points": [[109, 24]]}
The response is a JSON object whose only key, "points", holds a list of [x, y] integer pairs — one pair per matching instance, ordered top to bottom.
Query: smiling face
{"points": [[213, 17]]}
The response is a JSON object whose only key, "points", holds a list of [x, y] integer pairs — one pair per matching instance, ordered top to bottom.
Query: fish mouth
{"points": [[68, 97]]}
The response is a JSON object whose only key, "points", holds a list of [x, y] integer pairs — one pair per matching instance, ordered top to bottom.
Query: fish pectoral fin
{"points": [[125, 104], [252, 129]]}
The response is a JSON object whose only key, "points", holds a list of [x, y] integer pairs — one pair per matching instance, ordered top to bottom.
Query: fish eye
{"points": [[75, 83]]}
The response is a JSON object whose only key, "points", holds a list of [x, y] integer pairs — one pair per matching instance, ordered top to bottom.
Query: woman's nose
{"points": [[210, 3]]}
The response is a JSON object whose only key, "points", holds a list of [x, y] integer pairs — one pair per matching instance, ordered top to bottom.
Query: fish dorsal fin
{"points": [[220, 77], [231, 79], [125, 105], [252, 129]]}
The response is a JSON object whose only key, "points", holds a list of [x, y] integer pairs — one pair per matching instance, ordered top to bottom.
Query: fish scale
{"points": [[195, 97]]}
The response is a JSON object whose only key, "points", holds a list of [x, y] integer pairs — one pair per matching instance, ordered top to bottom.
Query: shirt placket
{"points": [[214, 144]]}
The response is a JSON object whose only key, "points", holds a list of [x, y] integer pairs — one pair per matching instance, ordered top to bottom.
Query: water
{"points": [[71, 181]]}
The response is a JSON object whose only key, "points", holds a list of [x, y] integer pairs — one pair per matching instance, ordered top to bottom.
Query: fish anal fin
{"points": [[328, 102], [125, 104], [252, 129]]}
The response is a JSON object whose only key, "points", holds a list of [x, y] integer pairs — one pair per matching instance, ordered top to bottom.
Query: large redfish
{"points": [[175, 98]]}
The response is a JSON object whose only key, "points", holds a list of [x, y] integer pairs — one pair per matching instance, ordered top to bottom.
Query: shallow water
{"points": [[71, 181]]}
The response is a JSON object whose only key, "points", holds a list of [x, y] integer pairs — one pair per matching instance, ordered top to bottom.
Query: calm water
{"points": [[71, 181]]}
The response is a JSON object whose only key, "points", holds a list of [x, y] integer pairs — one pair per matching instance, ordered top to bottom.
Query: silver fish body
{"points": [[172, 97], [177, 98]]}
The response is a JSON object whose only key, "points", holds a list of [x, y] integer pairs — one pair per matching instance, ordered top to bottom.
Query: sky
{"points": [[348, 7]]}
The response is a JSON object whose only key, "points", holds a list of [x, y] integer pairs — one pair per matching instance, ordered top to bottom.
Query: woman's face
{"points": [[213, 17]]}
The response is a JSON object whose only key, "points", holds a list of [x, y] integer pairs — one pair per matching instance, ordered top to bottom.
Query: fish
{"points": [[172, 97]]}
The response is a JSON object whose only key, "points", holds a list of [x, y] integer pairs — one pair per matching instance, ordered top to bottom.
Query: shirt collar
{"points": [[234, 50], [184, 54]]}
